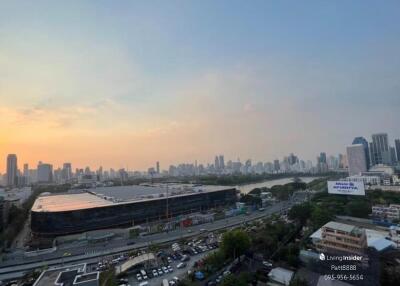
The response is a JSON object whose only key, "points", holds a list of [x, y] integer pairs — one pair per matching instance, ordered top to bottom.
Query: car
{"points": [[189, 231], [185, 258], [267, 263], [181, 265], [165, 269], [170, 269], [160, 272], [155, 273], [226, 273], [139, 277], [176, 279], [219, 279], [123, 281], [171, 282], [145, 283]]}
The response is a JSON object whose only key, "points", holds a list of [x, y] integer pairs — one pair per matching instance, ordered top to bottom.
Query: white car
{"points": [[267, 263], [181, 265], [170, 269], [155, 273], [139, 277]]}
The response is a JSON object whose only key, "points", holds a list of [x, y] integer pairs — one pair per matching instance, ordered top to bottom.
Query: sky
{"points": [[128, 83]]}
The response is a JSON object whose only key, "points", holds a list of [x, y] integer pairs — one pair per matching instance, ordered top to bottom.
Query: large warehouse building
{"points": [[108, 207]]}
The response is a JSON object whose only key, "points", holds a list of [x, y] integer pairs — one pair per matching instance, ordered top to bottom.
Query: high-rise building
{"points": [[364, 142], [397, 146], [380, 153], [322, 157], [393, 158], [292, 159], [356, 159], [221, 162], [216, 163], [322, 163], [276, 165], [158, 167], [12, 169], [45, 173], [66, 173], [26, 174]]}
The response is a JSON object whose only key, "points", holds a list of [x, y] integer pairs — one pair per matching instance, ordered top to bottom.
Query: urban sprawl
{"points": [[221, 223]]}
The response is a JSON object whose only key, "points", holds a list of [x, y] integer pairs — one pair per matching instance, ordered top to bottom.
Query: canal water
{"points": [[246, 188]]}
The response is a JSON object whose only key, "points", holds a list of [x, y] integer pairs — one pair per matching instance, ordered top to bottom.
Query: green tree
{"points": [[358, 208], [300, 213], [320, 216], [235, 243], [232, 280], [298, 282]]}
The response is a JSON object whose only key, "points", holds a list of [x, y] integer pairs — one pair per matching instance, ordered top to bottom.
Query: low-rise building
{"points": [[367, 180], [382, 213], [340, 237], [74, 275], [281, 276]]}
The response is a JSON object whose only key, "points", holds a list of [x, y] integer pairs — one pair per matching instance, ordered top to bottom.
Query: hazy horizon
{"points": [[126, 84]]}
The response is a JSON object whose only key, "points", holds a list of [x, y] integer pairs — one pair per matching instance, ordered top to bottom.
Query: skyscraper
{"points": [[364, 142], [397, 146], [380, 153], [322, 158], [393, 158], [356, 159], [221, 162], [216, 163], [322, 163], [276, 165], [158, 167], [12, 169], [66, 172], [45, 173], [26, 174]]}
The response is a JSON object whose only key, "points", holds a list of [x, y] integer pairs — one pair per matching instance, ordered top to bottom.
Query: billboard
{"points": [[346, 188]]}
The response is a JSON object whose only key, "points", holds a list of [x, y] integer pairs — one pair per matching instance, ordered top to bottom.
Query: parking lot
{"points": [[174, 262], [171, 263]]}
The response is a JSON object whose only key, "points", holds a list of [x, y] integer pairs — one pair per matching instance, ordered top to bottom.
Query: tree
{"points": [[358, 208], [301, 213], [320, 216], [235, 243], [231, 280], [298, 282]]}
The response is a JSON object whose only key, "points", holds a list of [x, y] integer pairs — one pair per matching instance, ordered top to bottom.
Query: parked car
{"points": [[181, 265]]}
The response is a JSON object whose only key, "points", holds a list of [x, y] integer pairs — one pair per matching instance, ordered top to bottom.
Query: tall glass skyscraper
{"points": [[364, 142], [380, 152]]}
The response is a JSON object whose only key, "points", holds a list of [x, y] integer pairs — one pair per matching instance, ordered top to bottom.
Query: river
{"points": [[244, 189]]}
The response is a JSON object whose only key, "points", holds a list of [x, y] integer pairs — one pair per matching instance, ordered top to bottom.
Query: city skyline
{"points": [[131, 84]]}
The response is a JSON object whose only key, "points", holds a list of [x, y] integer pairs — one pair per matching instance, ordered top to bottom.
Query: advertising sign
{"points": [[346, 188]]}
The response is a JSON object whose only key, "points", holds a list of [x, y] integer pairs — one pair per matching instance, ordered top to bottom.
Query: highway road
{"points": [[82, 253]]}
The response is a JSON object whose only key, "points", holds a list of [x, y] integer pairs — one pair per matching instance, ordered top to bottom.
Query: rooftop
{"points": [[107, 196], [341, 226], [281, 275], [66, 276]]}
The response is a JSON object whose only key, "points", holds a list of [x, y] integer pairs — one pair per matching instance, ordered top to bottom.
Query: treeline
{"points": [[239, 179], [281, 192]]}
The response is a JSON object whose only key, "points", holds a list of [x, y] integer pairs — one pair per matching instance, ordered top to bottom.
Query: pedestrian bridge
{"points": [[132, 262]]}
